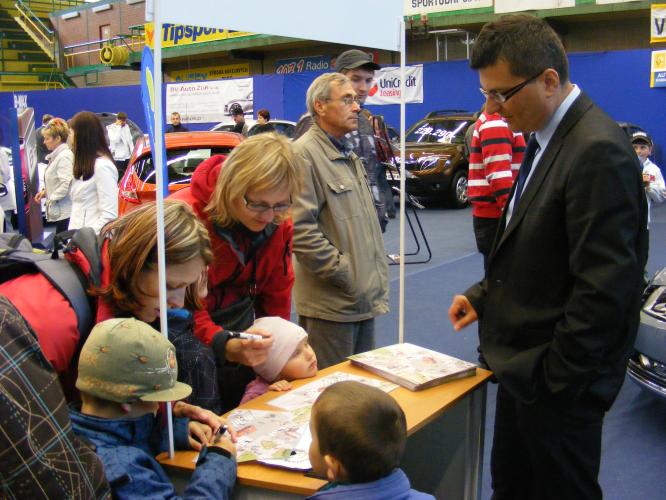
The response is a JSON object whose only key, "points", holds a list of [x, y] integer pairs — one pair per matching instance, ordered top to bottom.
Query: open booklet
{"points": [[412, 366], [282, 438]]}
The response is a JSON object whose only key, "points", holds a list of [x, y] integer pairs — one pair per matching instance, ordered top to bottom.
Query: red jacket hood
{"points": [[202, 184]]}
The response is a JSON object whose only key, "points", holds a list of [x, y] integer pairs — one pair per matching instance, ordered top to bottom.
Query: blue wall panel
{"points": [[617, 81]]}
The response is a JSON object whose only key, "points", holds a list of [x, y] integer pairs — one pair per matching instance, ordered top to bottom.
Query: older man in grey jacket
{"points": [[340, 266]]}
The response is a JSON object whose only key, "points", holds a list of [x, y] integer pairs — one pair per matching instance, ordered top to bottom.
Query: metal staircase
{"points": [[29, 52]]}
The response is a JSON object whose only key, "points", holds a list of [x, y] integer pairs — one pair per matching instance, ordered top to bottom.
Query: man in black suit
{"points": [[561, 297]]}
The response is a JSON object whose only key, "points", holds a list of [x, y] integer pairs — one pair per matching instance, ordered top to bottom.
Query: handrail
{"points": [[32, 17], [41, 34], [70, 51]]}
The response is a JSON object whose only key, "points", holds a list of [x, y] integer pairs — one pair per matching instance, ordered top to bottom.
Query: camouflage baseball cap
{"points": [[125, 360]]}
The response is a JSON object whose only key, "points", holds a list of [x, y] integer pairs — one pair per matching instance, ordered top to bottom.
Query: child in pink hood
{"points": [[290, 358]]}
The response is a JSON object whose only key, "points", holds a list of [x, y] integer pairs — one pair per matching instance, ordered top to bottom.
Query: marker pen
{"points": [[243, 335]]}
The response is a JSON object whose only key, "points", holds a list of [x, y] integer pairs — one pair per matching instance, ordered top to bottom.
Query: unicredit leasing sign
{"points": [[387, 88]]}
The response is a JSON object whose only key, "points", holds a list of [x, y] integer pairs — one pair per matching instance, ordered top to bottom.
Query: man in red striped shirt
{"points": [[494, 160]]}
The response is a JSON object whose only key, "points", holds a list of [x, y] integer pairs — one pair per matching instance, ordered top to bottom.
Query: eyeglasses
{"points": [[502, 97], [347, 100], [261, 208]]}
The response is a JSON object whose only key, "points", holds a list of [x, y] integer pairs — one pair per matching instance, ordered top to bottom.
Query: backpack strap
{"points": [[72, 285]]}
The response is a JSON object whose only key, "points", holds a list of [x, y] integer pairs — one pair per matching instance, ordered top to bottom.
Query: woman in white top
{"points": [[58, 174], [94, 190]]}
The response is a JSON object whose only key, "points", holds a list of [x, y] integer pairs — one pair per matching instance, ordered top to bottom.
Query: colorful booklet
{"points": [[412, 366]]}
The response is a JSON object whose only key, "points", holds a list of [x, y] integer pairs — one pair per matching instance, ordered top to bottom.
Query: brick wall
{"points": [[86, 26]]}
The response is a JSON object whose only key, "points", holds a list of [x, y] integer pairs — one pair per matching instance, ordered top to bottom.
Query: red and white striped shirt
{"points": [[494, 160]]}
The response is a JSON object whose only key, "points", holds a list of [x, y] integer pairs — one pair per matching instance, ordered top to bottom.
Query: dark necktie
{"points": [[525, 168]]}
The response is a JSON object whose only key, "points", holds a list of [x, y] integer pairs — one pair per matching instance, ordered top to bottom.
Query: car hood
{"points": [[432, 148]]}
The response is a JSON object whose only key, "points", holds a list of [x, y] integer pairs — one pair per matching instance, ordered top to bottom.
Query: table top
{"points": [[420, 407]]}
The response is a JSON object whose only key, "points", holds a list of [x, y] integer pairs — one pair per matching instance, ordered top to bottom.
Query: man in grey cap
{"points": [[359, 68]]}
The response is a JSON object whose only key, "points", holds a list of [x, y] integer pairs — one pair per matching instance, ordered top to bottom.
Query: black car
{"points": [[436, 166], [647, 366]]}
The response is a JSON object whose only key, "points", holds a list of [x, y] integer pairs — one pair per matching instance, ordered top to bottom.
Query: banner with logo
{"points": [[504, 6], [416, 7], [658, 23], [178, 35], [300, 64], [658, 69], [211, 72], [386, 89], [207, 102]]}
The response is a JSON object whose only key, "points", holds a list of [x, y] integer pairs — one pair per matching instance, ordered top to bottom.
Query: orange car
{"points": [[184, 152]]}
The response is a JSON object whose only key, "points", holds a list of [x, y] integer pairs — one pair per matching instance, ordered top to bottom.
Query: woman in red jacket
{"points": [[245, 203]]}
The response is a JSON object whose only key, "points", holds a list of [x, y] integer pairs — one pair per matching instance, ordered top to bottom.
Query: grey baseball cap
{"points": [[352, 59], [126, 360]]}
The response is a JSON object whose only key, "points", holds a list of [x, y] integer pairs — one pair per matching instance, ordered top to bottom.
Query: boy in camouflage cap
{"points": [[126, 368]]}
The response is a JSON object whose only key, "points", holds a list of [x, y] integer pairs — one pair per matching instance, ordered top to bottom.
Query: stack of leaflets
{"points": [[412, 366]]}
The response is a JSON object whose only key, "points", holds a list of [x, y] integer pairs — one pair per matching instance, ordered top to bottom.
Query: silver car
{"points": [[647, 366]]}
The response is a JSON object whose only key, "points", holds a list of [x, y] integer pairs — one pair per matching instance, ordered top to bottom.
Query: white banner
{"points": [[605, 2], [504, 6], [416, 7], [386, 89], [203, 102]]}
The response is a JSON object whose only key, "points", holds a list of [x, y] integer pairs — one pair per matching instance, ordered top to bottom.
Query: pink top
{"points": [[255, 389]]}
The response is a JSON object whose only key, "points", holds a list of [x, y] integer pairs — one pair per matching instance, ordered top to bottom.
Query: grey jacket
{"points": [[57, 181], [340, 262]]}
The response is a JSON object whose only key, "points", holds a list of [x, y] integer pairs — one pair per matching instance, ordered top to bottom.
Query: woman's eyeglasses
{"points": [[261, 208]]}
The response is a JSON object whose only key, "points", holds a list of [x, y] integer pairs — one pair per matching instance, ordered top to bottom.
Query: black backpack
{"points": [[18, 257]]}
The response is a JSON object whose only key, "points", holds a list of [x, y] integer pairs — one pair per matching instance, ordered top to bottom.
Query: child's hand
{"points": [[280, 386], [197, 414], [199, 434]]}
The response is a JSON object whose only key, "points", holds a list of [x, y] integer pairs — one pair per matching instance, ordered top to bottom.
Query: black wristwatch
{"points": [[212, 449]]}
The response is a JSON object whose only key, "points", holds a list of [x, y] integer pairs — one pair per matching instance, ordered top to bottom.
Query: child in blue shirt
{"points": [[358, 436]]}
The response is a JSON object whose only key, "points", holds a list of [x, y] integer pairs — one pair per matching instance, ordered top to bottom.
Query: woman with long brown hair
{"points": [[94, 191]]}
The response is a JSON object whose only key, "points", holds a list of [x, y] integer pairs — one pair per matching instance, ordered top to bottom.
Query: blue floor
{"points": [[634, 438]]}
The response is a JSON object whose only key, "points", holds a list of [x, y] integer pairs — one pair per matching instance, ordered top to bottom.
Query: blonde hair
{"points": [[320, 89], [56, 127], [260, 163], [133, 248]]}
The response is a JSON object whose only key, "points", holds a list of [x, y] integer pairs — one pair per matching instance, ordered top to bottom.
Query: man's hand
{"points": [[40, 195], [461, 312], [249, 352], [280, 386], [197, 414]]}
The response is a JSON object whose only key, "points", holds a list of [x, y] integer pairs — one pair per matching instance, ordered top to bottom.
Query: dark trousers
{"points": [[121, 165], [61, 225], [485, 230], [332, 342], [546, 450]]}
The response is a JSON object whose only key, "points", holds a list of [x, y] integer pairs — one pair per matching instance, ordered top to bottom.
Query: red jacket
{"points": [[494, 160], [228, 276], [51, 317]]}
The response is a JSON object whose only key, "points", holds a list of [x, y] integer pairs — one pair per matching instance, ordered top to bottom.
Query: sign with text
{"points": [[504, 6], [416, 7], [658, 23], [178, 35], [300, 64], [658, 69], [211, 72], [386, 89], [207, 102]]}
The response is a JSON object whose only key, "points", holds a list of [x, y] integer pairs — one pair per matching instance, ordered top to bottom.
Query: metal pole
{"points": [[159, 172], [403, 192]]}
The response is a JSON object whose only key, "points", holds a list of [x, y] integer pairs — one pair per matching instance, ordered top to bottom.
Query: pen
{"points": [[244, 336], [220, 432]]}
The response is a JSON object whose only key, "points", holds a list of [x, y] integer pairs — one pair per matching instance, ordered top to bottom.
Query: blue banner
{"points": [[301, 64], [148, 102]]}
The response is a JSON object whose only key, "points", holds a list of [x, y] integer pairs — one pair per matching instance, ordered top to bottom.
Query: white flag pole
{"points": [[157, 158], [401, 300]]}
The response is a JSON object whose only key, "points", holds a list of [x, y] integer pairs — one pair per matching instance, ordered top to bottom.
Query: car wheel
{"points": [[457, 196]]}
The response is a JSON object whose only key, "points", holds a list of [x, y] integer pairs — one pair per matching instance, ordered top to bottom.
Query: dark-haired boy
{"points": [[126, 369], [359, 454]]}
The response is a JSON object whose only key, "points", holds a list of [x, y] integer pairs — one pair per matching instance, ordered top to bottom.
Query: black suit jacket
{"points": [[559, 305]]}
